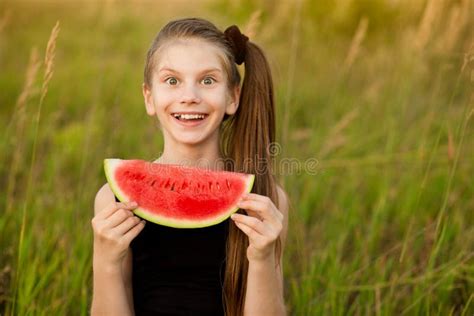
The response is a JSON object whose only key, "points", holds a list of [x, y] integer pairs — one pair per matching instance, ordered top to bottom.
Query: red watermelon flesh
{"points": [[175, 195]]}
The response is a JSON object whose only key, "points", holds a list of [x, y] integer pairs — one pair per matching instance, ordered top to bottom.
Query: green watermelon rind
{"points": [[145, 214]]}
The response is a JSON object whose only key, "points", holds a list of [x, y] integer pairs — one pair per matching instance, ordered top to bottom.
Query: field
{"points": [[375, 105]]}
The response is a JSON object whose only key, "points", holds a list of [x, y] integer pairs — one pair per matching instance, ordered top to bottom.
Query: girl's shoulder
{"points": [[104, 197], [283, 200], [283, 207]]}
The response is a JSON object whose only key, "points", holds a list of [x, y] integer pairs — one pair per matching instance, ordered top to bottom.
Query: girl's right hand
{"points": [[114, 228]]}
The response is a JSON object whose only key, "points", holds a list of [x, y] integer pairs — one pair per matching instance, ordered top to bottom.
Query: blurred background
{"points": [[378, 94]]}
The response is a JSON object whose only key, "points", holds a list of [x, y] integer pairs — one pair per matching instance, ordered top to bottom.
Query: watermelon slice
{"points": [[175, 195]]}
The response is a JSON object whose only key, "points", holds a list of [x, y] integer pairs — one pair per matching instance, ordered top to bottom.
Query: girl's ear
{"points": [[148, 98], [234, 101]]}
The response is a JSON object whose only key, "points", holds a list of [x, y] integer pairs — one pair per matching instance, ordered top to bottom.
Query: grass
{"points": [[382, 217]]}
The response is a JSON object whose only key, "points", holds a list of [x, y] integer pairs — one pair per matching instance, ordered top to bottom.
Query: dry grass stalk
{"points": [[430, 14], [280, 17], [458, 18], [253, 24], [356, 42], [49, 60], [469, 61], [31, 72], [48, 73], [20, 115], [345, 121], [301, 134], [336, 139], [451, 149]]}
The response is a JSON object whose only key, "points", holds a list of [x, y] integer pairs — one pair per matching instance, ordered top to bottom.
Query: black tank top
{"points": [[179, 271]]}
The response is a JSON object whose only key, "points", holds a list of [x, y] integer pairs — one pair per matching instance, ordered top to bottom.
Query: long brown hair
{"points": [[246, 136]]}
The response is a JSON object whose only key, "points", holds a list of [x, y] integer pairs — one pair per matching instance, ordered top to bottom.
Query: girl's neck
{"points": [[202, 156]]}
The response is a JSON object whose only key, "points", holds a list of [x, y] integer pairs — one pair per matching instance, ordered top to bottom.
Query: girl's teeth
{"points": [[189, 116]]}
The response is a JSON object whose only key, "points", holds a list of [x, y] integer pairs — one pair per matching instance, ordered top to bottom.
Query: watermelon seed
{"points": [[153, 182], [228, 184], [210, 185], [184, 186], [218, 186], [172, 187]]}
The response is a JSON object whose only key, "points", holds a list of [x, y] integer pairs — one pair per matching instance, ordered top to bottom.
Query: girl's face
{"points": [[190, 92]]}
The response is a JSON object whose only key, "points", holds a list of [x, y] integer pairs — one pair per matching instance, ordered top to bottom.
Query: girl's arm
{"points": [[263, 226], [114, 227], [110, 293], [264, 294]]}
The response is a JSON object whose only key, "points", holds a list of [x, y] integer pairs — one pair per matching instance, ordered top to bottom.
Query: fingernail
{"points": [[133, 204]]}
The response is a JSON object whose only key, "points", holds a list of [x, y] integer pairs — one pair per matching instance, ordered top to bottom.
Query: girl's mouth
{"points": [[189, 119]]}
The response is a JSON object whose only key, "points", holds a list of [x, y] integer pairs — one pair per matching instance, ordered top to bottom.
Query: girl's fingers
{"points": [[256, 197], [266, 201], [253, 205], [114, 206], [126, 206], [265, 209], [107, 211], [254, 214], [118, 217], [255, 224], [126, 225], [133, 232], [250, 232], [263, 233]]}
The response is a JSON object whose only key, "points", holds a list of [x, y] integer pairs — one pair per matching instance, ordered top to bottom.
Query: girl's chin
{"points": [[191, 139]]}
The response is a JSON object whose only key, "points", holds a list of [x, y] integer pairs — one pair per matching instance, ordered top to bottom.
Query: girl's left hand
{"points": [[263, 225]]}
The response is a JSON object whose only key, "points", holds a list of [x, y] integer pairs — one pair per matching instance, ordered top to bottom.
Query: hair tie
{"points": [[238, 42]]}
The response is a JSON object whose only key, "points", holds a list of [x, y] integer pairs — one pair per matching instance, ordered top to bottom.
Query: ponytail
{"points": [[248, 135]]}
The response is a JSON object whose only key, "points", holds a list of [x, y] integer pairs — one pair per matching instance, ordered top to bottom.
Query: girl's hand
{"points": [[263, 225], [114, 228]]}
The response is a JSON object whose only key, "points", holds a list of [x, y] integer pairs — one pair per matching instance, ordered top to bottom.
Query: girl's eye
{"points": [[208, 80], [172, 81]]}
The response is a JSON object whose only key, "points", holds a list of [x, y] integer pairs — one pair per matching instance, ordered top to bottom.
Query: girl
{"points": [[192, 85]]}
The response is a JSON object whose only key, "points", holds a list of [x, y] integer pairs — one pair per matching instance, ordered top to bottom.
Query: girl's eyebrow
{"points": [[167, 70], [209, 70]]}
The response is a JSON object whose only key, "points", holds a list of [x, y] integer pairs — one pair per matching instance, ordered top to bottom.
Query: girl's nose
{"points": [[190, 94]]}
